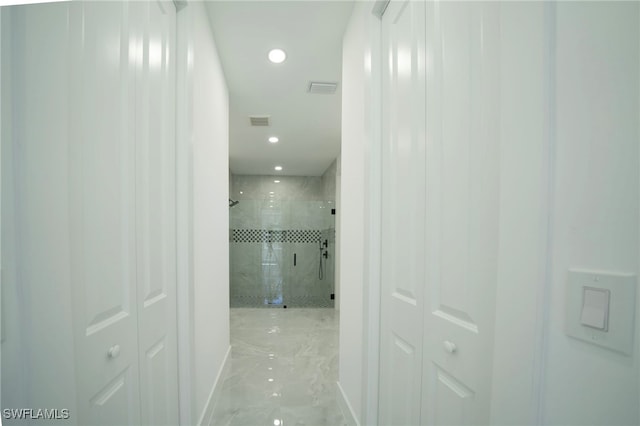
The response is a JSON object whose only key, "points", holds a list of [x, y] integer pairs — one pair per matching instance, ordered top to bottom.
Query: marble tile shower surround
{"points": [[329, 182], [300, 188], [281, 215], [263, 230], [263, 273], [284, 368]]}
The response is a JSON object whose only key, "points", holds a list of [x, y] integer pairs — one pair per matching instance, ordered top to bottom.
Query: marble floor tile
{"points": [[284, 368]]}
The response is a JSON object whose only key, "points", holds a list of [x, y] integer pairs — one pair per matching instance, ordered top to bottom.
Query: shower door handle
{"points": [[294, 259]]}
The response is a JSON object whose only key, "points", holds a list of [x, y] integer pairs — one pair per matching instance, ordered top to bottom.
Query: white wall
{"points": [[205, 127], [524, 192], [595, 202], [355, 210], [351, 229], [338, 234], [1, 310], [38, 348]]}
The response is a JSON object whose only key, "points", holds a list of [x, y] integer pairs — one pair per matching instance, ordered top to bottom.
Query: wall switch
{"points": [[595, 308], [600, 308]]}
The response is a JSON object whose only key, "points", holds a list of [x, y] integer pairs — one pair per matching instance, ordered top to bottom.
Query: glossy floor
{"points": [[284, 367]]}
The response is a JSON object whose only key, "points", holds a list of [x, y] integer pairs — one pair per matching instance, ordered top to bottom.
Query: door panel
{"points": [[122, 162], [403, 201], [102, 204], [462, 210], [440, 211], [155, 212], [156, 382], [452, 399], [106, 405]]}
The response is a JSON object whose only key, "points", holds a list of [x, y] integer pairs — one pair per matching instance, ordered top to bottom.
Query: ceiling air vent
{"points": [[322, 88], [259, 120]]}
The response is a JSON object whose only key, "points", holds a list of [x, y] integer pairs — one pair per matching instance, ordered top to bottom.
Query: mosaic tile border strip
{"points": [[275, 236], [291, 302]]}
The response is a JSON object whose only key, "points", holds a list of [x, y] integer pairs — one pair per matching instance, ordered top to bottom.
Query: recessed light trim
{"points": [[277, 56], [273, 139], [278, 168]]}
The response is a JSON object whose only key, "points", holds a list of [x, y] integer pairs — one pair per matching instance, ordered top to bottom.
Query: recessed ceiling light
{"points": [[277, 56], [273, 139], [278, 168], [276, 181], [271, 192]]}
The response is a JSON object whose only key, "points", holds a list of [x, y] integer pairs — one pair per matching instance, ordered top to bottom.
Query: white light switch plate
{"points": [[619, 326]]}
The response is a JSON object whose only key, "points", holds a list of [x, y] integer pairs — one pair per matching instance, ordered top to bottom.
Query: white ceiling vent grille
{"points": [[322, 88], [259, 120]]}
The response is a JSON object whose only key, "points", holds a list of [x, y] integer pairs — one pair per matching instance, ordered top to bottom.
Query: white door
{"points": [[463, 163], [122, 178], [102, 209], [440, 211], [155, 213], [403, 213]]}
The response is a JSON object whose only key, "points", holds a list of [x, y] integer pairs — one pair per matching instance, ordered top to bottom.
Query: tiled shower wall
{"points": [[276, 234]]}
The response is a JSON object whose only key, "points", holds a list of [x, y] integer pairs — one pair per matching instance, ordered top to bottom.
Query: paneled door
{"points": [[463, 163], [122, 203], [102, 204], [156, 211], [440, 211], [403, 213]]}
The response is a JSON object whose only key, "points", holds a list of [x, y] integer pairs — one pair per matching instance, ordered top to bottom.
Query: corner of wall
{"points": [[204, 186], [338, 204], [206, 417], [350, 417]]}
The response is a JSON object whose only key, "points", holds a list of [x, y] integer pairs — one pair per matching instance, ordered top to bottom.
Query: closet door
{"points": [[463, 163], [122, 202], [156, 211], [440, 211], [403, 212], [102, 213]]}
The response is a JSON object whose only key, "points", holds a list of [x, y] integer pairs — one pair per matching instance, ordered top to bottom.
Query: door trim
{"points": [[184, 226], [373, 230], [543, 299]]}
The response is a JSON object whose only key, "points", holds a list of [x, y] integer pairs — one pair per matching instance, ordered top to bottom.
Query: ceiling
{"points": [[307, 125]]}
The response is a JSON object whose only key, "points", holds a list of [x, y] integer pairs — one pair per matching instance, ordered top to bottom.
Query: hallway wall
{"points": [[206, 134], [595, 197], [523, 210], [353, 216], [36, 293]]}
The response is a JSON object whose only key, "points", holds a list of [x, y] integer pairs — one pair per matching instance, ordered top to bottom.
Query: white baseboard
{"points": [[207, 412], [349, 416]]}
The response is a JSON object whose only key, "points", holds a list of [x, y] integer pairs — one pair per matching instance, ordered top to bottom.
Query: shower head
{"points": [[232, 203]]}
